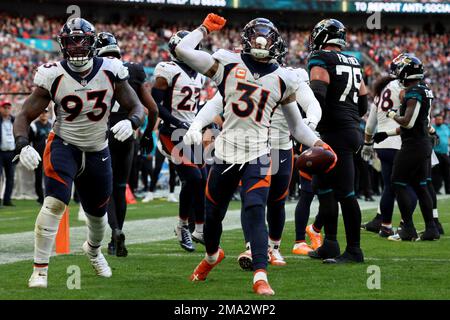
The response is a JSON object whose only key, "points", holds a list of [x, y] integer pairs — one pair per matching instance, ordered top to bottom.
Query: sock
{"points": [[435, 213], [182, 222], [387, 225], [199, 227], [45, 229], [314, 229], [96, 231], [274, 244], [247, 246], [211, 259], [40, 269], [259, 274]]}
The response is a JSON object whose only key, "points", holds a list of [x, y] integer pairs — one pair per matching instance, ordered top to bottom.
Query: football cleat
{"points": [[148, 197], [172, 198], [373, 225], [386, 232], [404, 233], [429, 234], [184, 237], [198, 237], [315, 237], [119, 238], [112, 248], [301, 248], [329, 249], [275, 257], [347, 257], [245, 260], [97, 261], [204, 268], [38, 278], [263, 288]]}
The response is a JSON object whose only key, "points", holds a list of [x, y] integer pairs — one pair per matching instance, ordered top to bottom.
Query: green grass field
{"points": [[160, 270]]}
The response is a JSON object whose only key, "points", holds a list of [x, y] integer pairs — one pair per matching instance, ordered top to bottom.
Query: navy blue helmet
{"points": [[261, 39]]}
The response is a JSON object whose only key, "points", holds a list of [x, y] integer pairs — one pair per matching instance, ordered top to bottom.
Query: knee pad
{"points": [[48, 218]]}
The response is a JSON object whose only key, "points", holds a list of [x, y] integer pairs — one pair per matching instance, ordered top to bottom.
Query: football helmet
{"points": [[327, 31], [261, 39], [77, 40], [174, 41], [107, 45], [409, 67]]}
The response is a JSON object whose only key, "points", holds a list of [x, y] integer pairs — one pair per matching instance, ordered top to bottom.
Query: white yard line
{"points": [[19, 246]]}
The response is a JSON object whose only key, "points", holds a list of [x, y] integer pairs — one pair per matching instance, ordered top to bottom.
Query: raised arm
{"points": [[199, 60]]}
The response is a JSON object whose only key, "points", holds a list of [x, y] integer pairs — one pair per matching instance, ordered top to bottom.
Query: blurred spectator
{"points": [[39, 131], [7, 146], [441, 172]]}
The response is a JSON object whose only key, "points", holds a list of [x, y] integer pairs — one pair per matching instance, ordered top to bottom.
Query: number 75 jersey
{"points": [[251, 91], [82, 105], [341, 111]]}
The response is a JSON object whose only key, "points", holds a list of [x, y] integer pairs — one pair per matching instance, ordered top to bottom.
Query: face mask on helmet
{"points": [[261, 40], [77, 41]]}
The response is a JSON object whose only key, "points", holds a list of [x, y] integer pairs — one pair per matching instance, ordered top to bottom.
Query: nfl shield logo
{"points": [[256, 76], [83, 83]]}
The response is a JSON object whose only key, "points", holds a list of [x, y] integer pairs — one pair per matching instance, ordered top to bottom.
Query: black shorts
{"points": [[412, 165], [341, 179]]}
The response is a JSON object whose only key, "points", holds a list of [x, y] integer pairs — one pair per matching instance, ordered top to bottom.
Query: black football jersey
{"points": [[137, 78], [341, 110], [418, 134]]}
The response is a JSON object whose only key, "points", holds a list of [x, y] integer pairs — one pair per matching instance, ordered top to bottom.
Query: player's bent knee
{"points": [[53, 206]]}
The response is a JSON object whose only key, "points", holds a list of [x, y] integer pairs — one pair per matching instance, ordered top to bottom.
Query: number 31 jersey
{"points": [[185, 86], [252, 92], [82, 105], [341, 111]]}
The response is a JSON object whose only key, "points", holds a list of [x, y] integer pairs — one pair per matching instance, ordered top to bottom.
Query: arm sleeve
{"points": [[198, 60], [158, 96], [308, 102], [210, 110], [372, 121], [299, 130]]}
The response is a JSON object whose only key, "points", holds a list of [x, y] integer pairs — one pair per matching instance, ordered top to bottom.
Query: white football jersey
{"points": [[185, 87], [252, 93], [389, 99], [82, 105]]}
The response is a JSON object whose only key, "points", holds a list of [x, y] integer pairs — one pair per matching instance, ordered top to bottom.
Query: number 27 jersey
{"points": [[251, 92], [82, 105]]}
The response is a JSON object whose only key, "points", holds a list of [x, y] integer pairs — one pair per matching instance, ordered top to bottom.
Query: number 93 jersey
{"points": [[185, 86], [252, 92], [82, 105], [341, 111]]}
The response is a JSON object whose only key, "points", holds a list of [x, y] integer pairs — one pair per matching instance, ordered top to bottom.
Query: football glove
{"points": [[214, 22], [391, 114], [122, 130], [193, 135], [380, 137], [327, 147], [367, 151], [29, 157]]}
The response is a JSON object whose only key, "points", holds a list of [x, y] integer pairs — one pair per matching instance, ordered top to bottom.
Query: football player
{"points": [[337, 82], [252, 87], [83, 88], [177, 91], [387, 97], [122, 152], [282, 155], [412, 162]]}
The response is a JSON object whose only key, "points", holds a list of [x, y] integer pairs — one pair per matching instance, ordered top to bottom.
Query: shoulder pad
{"points": [[226, 57], [117, 67], [166, 70], [46, 74]]}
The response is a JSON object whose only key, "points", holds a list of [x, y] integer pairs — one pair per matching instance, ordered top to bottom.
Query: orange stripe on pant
{"points": [[170, 146], [47, 162], [264, 183], [286, 192], [207, 194]]}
